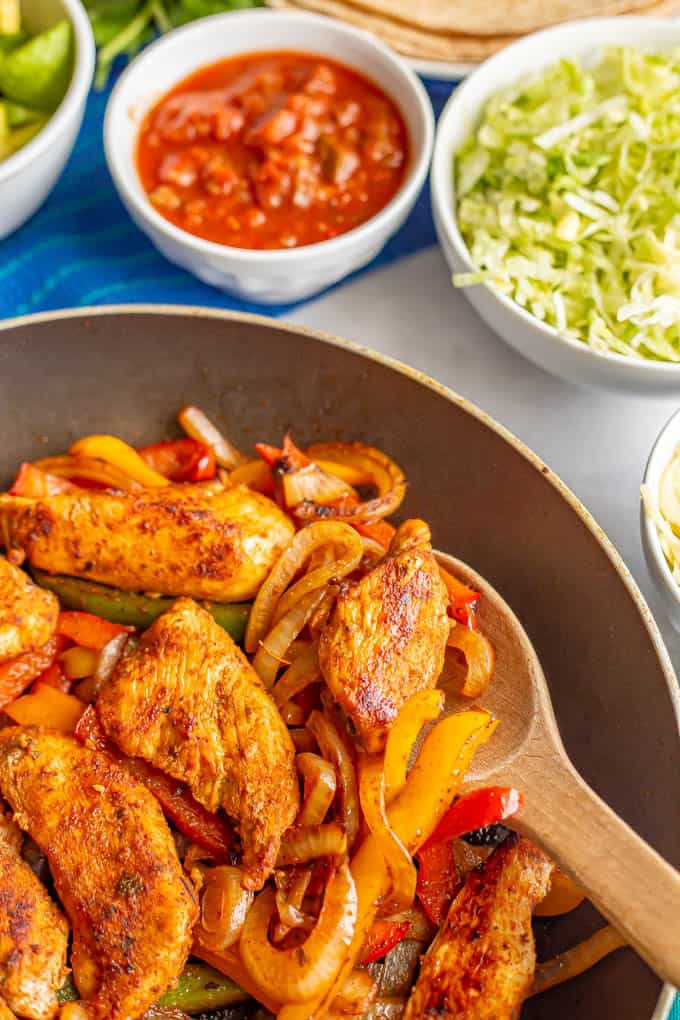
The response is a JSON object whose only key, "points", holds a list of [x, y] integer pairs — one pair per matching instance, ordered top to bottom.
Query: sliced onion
{"points": [[198, 426], [90, 469], [255, 474], [386, 476], [312, 484], [412, 534], [304, 543], [271, 653], [479, 658], [108, 660], [303, 671], [423, 707], [292, 714], [304, 740], [334, 750], [320, 784], [304, 844], [397, 858], [291, 887], [224, 906], [420, 928], [575, 961], [308, 971], [356, 994], [387, 1009]]}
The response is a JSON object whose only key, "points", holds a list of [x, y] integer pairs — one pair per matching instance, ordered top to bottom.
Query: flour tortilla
{"points": [[494, 17], [447, 47]]}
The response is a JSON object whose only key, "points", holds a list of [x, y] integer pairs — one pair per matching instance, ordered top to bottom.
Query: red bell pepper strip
{"points": [[285, 459], [181, 460], [33, 483], [381, 532], [463, 601], [88, 630], [17, 674], [54, 676], [475, 810], [212, 832], [438, 880], [382, 937]]}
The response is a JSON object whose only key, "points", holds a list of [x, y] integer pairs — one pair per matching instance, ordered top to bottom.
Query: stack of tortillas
{"points": [[466, 31]]}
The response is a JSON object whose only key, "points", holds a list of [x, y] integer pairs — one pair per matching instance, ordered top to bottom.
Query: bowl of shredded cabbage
{"points": [[556, 197], [660, 516]]}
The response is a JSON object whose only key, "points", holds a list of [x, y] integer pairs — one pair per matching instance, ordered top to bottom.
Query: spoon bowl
{"points": [[625, 878]]}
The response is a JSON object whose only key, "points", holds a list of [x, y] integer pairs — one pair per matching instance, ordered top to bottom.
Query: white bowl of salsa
{"points": [[269, 153]]}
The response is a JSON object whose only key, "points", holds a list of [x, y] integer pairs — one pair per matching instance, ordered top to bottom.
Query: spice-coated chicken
{"points": [[204, 541], [28, 614], [386, 638], [188, 701], [114, 865], [33, 934], [481, 964]]}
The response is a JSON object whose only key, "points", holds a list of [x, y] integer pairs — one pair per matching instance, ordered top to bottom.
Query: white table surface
{"points": [[598, 442]]}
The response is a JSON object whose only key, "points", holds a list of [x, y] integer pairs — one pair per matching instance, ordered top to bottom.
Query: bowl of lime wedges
{"points": [[46, 64]]}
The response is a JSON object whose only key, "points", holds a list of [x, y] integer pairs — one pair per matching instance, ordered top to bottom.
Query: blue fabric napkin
{"points": [[81, 248]]}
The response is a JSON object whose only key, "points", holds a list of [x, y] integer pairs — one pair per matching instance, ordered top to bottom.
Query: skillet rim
{"points": [[667, 994]]}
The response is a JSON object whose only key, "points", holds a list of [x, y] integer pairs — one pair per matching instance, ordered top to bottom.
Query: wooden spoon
{"points": [[628, 881]]}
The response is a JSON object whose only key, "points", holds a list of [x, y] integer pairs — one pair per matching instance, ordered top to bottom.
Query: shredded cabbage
{"points": [[568, 198], [663, 507]]}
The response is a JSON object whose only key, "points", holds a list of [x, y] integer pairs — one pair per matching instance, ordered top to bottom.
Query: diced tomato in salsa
{"points": [[272, 150]]}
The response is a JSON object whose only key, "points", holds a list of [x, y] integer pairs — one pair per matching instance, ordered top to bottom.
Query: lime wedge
{"points": [[10, 17], [11, 42], [37, 73], [18, 115], [4, 122], [19, 137]]}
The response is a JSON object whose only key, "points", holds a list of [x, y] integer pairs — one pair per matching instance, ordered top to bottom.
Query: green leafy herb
{"points": [[122, 27]]}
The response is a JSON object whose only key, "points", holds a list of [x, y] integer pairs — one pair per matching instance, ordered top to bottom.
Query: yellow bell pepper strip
{"points": [[121, 455], [77, 663], [46, 706], [423, 707], [414, 814], [395, 855], [562, 897]]}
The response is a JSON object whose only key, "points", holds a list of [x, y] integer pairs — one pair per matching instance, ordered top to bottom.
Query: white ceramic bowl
{"points": [[27, 177], [264, 276], [537, 341], [659, 458]]}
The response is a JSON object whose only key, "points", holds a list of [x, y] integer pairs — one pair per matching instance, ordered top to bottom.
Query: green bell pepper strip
{"points": [[131, 608], [200, 989]]}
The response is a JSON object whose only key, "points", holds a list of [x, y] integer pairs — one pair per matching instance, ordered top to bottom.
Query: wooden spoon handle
{"points": [[628, 881]]}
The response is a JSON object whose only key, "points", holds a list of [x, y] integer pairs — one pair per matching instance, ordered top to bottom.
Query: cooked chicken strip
{"points": [[202, 541], [28, 614], [387, 635], [188, 701], [114, 865], [33, 934], [481, 964]]}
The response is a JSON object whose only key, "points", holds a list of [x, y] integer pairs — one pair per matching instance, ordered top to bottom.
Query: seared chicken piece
{"points": [[202, 541], [28, 614], [387, 635], [188, 701], [114, 865], [33, 934], [481, 964]]}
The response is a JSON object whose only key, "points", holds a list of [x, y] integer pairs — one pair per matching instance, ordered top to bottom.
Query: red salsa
{"points": [[272, 150]]}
